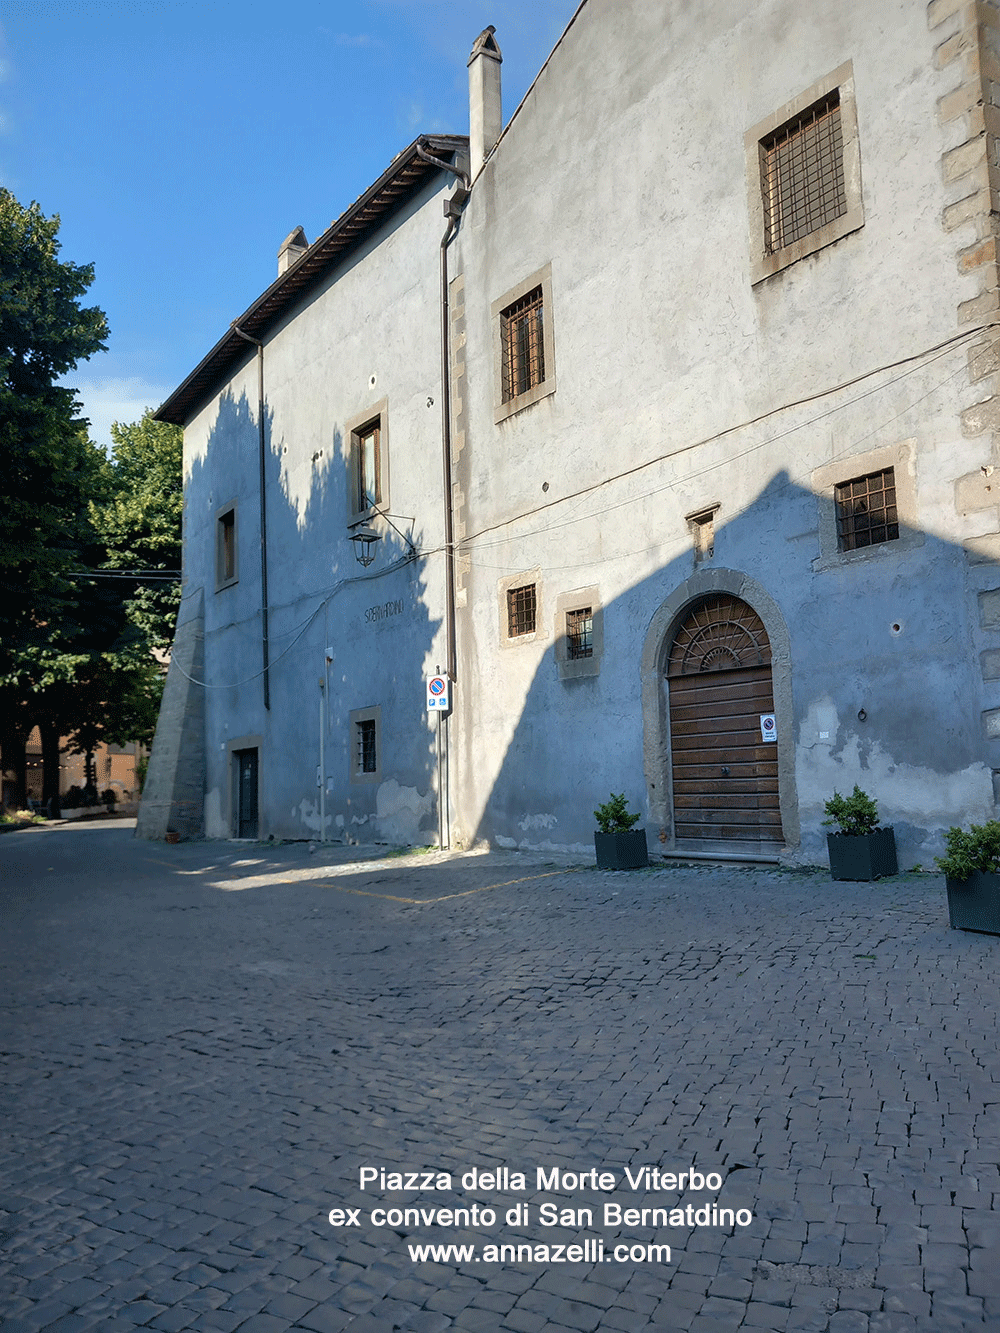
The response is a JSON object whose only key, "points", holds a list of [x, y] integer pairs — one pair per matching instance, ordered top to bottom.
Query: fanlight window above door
{"points": [[721, 633]]}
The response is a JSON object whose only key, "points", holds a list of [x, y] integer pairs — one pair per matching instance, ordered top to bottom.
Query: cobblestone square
{"points": [[203, 1045]]}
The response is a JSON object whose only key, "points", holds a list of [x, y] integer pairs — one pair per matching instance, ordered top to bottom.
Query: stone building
{"points": [[704, 507]]}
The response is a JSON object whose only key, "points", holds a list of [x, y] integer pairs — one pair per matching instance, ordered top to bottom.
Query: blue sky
{"points": [[181, 142]]}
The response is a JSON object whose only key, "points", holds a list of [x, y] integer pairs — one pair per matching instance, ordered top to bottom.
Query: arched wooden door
{"points": [[725, 776]]}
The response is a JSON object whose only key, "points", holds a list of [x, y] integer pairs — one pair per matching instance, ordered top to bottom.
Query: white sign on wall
{"points": [[768, 730]]}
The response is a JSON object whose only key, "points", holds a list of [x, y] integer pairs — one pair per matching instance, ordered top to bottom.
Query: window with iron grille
{"points": [[802, 174], [522, 345], [866, 510], [521, 606], [580, 633], [367, 757]]}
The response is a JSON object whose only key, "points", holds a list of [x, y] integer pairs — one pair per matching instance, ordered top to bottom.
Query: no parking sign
{"points": [[438, 694]]}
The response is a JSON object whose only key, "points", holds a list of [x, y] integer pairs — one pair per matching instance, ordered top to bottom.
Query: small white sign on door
{"points": [[768, 730]]}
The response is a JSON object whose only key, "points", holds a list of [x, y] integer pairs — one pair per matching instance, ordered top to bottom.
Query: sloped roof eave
{"points": [[405, 175]]}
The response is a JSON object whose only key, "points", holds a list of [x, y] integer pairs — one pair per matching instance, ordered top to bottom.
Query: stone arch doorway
{"points": [[674, 630], [724, 775]]}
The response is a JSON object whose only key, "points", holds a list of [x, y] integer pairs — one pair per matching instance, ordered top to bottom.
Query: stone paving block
{"points": [[326, 1319], [522, 1321], [888, 1321], [264, 1323]]}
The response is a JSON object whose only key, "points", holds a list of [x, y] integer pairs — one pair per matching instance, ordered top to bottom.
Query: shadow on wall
{"points": [[346, 646], [873, 683]]}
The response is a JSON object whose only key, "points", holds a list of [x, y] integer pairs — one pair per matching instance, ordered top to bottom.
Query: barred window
{"points": [[802, 174], [522, 345], [866, 510], [521, 606], [580, 633], [367, 757]]}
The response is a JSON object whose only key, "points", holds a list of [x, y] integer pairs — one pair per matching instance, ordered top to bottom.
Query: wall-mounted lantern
{"points": [[364, 540]]}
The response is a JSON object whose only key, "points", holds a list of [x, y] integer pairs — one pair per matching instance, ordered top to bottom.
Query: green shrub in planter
{"points": [[619, 846], [859, 850], [971, 867]]}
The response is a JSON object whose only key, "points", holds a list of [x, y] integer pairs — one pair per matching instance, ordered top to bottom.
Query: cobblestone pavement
{"points": [[204, 1044]]}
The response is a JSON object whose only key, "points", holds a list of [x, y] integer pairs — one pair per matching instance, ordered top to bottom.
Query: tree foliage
{"points": [[46, 461], [140, 523], [75, 648]]}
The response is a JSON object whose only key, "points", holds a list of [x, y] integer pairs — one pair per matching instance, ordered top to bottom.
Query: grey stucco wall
{"points": [[625, 171], [369, 338]]}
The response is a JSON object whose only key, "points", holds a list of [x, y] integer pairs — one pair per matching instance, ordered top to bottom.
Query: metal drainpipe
{"points": [[452, 207], [262, 452]]}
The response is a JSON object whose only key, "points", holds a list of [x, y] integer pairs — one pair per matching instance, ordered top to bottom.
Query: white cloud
{"points": [[108, 400]]}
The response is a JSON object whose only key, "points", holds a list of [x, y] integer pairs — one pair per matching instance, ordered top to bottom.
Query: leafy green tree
{"points": [[46, 461], [49, 469], [140, 524], [81, 535]]}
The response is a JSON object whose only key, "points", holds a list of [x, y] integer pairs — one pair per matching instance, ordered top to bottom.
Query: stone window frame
{"points": [[762, 264], [502, 410], [354, 430], [901, 457], [222, 579], [507, 585], [577, 668], [358, 776]]}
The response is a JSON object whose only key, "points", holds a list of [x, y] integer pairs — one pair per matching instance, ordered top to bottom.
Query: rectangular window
{"points": [[802, 174], [522, 345], [368, 462], [367, 467], [866, 510], [225, 547], [521, 606], [580, 633], [364, 746], [367, 755]]}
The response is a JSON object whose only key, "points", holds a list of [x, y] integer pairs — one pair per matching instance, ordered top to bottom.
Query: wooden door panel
{"points": [[725, 777]]}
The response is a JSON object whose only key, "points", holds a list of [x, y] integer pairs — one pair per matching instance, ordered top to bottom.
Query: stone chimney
{"points": [[485, 114], [292, 246]]}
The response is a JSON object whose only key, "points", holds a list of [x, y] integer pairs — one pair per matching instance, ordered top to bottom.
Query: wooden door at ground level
{"points": [[725, 776]]}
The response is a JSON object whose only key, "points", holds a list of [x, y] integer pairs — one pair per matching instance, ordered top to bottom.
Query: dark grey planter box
{"points": [[621, 851], [867, 857], [974, 903]]}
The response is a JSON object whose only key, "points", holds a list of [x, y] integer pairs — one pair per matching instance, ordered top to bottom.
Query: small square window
{"points": [[802, 174], [523, 345], [866, 510], [226, 570], [521, 608], [580, 633], [367, 754]]}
